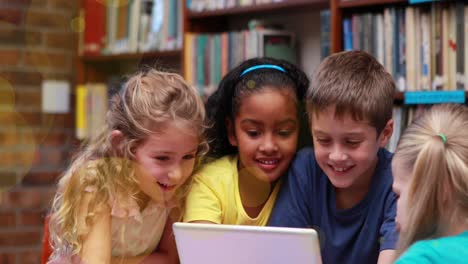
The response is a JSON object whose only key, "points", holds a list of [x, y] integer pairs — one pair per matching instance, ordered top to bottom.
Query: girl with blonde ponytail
{"points": [[430, 170], [120, 196]]}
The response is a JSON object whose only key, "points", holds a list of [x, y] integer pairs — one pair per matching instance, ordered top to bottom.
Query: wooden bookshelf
{"points": [[363, 3], [338, 7], [260, 8], [131, 56], [91, 67], [398, 97]]}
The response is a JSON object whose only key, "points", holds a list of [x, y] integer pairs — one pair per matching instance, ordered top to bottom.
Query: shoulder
{"points": [[305, 155], [385, 156], [304, 160], [226, 163], [304, 163], [220, 169], [383, 171], [304, 172], [88, 207], [441, 250], [420, 252]]}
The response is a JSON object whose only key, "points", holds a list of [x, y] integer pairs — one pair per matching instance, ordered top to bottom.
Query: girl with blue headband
{"points": [[255, 122]]}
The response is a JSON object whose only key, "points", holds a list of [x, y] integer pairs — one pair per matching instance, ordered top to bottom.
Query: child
{"points": [[255, 126], [431, 178], [343, 187], [116, 198]]}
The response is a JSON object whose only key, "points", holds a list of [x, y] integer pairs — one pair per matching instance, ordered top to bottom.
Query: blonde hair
{"points": [[354, 82], [147, 102], [438, 187]]}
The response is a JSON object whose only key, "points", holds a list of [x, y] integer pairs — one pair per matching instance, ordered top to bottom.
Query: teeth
{"points": [[268, 162], [339, 169], [164, 185]]}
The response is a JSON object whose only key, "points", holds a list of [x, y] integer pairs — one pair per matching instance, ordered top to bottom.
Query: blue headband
{"points": [[262, 66]]}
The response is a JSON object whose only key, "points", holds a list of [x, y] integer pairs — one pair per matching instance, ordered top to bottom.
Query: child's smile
{"points": [[265, 132], [346, 149], [166, 160], [268, 164], [166, 187]]}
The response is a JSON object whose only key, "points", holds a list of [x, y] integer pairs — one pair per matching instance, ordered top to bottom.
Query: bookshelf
{"points": [[287, 6], [339, 7], [300, 17], [422, 35], [425, 49], [92, 67], [102, 67]]}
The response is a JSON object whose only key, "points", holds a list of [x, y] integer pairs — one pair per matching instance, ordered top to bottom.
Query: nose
{"points": [[268, 144], [337, 154], [175, 174]]}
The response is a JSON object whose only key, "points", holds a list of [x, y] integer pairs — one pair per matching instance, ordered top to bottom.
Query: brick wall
{"points": [[36, 43]]}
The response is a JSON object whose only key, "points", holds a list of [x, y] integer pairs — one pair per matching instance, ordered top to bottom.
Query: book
{"points": [[95, 27], [325, 29], [80, 112]]}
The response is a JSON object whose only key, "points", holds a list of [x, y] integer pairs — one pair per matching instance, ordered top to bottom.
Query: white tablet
{"points": [[235, 244]]}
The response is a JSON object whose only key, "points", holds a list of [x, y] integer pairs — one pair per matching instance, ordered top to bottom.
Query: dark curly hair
{"points": [[225, 102]]}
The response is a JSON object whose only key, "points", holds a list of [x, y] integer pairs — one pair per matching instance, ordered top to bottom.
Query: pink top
{"points": [[140, 232], [134, 233]]}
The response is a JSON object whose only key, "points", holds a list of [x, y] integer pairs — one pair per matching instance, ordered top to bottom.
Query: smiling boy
{"points": [[343, 187]]}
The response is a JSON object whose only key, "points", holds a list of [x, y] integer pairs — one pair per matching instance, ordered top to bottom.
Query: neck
{"points": [[254, 192], [455, 227]]}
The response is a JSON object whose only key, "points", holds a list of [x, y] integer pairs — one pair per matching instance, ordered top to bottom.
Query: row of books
{"points": [[203, 5], [129, 26], [423, 47], [210, 56], [92, 101], [91, 107], [402, 117]]}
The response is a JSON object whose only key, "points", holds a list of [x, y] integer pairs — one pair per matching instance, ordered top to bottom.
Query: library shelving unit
{"points": [[339, 7], [342, 8], [302, 17], [404, 35], [97, 68]]}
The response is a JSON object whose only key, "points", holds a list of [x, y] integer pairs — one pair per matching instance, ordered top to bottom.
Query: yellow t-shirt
{"points": [[215, 196]]}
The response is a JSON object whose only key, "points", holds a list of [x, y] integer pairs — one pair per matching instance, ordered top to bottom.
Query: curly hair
{"points": [[147, 102], [225, 102]]}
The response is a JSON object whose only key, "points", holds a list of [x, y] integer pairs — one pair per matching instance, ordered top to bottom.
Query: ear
{"points": [[231, 132], [386, 133], [116, 137]]}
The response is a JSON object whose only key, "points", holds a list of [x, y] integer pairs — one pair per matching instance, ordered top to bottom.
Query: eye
{"points": [[252, 133], [285, 133], [323, 141], [353, 142], [189, 157], [162, 158]]}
